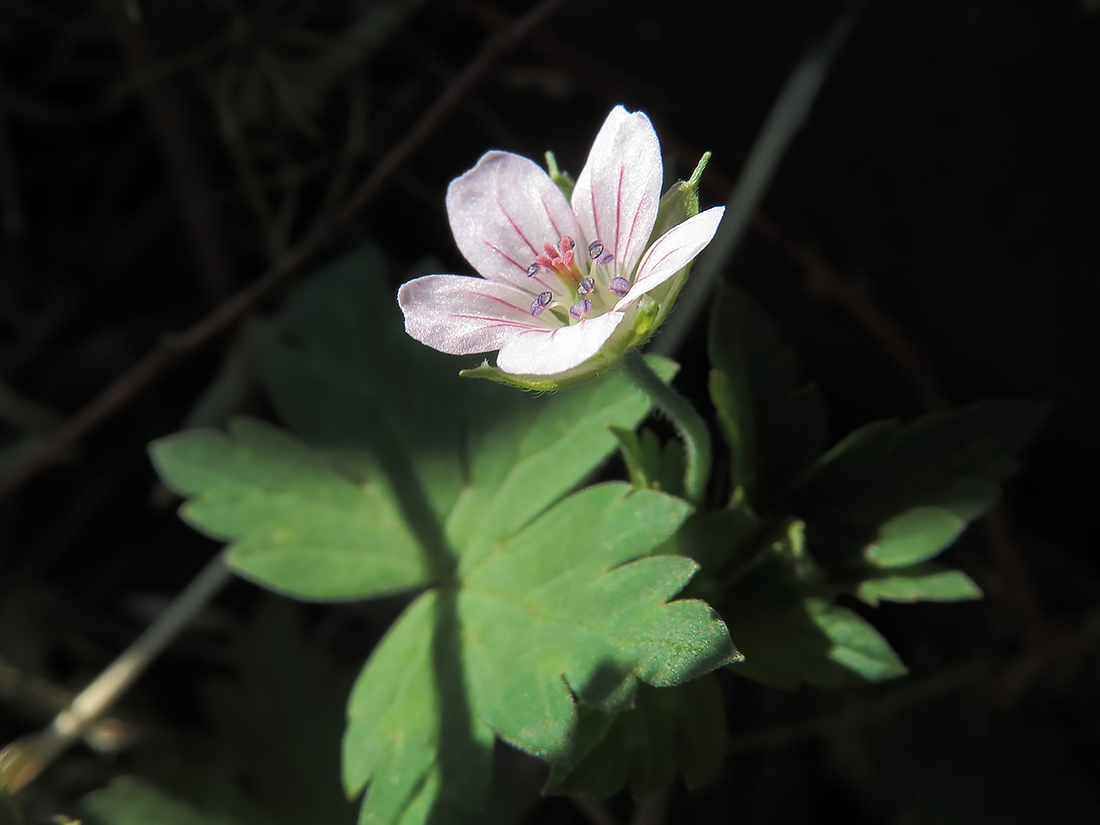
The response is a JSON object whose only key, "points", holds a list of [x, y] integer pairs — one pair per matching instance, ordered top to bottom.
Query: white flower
{"points": [[560, 282]]}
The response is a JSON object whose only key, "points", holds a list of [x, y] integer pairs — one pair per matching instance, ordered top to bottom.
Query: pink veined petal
{"points": [[619, 188], [502, 212], [672, 252], [461, 316], [549, 351]]}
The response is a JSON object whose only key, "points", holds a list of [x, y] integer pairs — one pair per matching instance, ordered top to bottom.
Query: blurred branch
{"points": [[787, 115], [169, 117], [13, 221], [820, 281], [136, 379], [38, 697], [861, 713], [25, 758], [593, 810], [651, 810]]}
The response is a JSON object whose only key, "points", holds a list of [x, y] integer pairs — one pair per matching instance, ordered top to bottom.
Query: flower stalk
{"points": [[689, 425]]}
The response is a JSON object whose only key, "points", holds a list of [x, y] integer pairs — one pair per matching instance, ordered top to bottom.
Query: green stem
{"points": [[689, 425]]}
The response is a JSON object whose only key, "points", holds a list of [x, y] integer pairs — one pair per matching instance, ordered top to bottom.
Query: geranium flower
{"points": [[565, 286]]}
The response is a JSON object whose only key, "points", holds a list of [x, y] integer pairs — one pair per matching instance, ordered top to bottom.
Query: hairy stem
{"points": [[689, 425]]}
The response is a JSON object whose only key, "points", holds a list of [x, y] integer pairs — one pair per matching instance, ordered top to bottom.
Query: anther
{"points": [[595, 250], [606, 259], [532, 269], [586, 286], [619, 286], [539, 304], [580, 309]]}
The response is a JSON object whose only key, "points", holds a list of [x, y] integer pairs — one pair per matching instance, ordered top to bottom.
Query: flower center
{"points": [[585, 286]]}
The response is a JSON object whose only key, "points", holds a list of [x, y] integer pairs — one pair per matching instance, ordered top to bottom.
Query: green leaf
{"points": [[774, 428], [951, 460], [460, 485], [296, 524], [916, 535], [920, 583], [556, 610], [789, 636], [282, 718], [670, 731], [410, 732], [129, 801]]}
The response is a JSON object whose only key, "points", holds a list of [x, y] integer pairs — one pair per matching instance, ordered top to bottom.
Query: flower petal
{"points": [[619, 188], [502, 212], [672, 252], [460, 315], [550, 351]]}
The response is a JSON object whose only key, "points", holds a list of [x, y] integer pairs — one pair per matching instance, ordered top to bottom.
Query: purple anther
{"points": [[595, 250], [606, 259], [532, 269], [586, 286], [619, 286], [540, 303], [580, 309]]}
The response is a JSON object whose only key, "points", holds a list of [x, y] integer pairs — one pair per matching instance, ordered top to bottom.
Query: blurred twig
{"points": [[169, 117], [785, 119], [12, 220], [136, 379], [861, 713], [25, 758], [651, 810], [594, 811]]}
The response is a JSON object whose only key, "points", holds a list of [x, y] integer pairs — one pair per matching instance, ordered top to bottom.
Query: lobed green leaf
{"points": [[773, 427]]}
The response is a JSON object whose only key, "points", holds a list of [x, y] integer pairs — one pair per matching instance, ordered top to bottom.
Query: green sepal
{"points": [[563, 180], [678, 204], [631, 333]]}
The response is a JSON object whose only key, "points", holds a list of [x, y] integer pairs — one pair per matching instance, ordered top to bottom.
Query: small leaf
{"points": [[774, 428], [642, 462], [916, 535], [921, 583], [556, 610], [789, 637], [856, 644], [671, 730]]}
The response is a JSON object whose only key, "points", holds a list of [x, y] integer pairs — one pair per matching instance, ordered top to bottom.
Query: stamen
{"points": [[595, 250], [606, 259], [533, 268], [586, 286], [619, 286], [540, 303], [580, 309]]}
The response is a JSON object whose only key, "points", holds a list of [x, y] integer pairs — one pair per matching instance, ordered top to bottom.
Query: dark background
{"points": [[946, 184]]}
